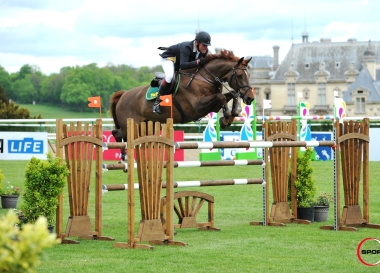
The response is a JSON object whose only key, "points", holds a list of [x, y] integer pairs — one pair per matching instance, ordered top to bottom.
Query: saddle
{"points": [[152, 91]]}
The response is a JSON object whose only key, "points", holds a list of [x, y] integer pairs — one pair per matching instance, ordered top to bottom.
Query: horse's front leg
{"points": [[228, 117]]}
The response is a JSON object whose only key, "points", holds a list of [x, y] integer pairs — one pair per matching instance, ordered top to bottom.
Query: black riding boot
{"points": [[163, 90]]}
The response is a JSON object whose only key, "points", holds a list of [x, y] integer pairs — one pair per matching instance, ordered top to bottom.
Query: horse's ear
{"points": [[240, 61], [245, 61]]}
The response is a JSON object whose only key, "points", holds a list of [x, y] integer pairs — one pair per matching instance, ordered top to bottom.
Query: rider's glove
{"points": [[202, 61]]}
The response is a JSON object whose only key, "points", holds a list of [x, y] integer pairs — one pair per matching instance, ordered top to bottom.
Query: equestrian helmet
{"points": [[204, 38]]}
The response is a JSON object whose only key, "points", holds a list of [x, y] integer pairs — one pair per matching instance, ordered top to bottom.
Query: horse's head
{"points": [[226, 67], [239, 81]]}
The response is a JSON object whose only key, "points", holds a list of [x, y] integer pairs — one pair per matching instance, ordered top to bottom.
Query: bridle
{"points": [[233, 75], [236, 81]]}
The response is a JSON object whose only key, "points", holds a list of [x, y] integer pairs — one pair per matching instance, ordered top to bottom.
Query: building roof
{"points": [[337, 57], [261, 62], [364, 81]]}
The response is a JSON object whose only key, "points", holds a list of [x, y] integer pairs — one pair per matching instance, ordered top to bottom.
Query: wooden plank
{"points": [[59, 153], [338, 156], [141, 166], [150, 171], [366, 171], [80, 174], [170, 179], [98, 180], [267, 185], [131, 197]]}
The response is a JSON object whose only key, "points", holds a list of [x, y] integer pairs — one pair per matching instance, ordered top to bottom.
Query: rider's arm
{"points": [[185, 55]]}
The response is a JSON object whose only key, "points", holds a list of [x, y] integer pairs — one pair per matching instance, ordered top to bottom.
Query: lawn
{"points": [[54, 112], [238, 247]]}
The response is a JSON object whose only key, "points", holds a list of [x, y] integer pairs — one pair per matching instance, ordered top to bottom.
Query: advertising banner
{"points": [[23, 145]]}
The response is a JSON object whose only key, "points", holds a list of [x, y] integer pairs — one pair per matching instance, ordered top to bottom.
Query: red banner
{"points": [[114, 154]]}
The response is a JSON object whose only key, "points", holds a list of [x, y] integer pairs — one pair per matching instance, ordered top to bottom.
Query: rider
{"points": [[184, 55]]}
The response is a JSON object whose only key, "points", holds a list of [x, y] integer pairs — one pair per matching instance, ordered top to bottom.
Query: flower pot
{"points": [[9, 201], [306, 213], [321, 213], [51, 229]]}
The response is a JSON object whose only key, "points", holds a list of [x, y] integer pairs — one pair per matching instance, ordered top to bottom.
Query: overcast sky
{"points": [[52, 34]]}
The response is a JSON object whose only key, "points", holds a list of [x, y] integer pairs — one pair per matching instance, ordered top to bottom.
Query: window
{"points": [[307, 65], [337, 65], [306, 93], [321, 93], [291, 94], [267, 97], [360, 105]]}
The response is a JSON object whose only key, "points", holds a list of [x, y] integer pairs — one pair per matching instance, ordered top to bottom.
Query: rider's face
{"points": [[202, 48]]}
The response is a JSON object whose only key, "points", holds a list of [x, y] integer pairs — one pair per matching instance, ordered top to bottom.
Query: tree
{"points": [[24, 71], [5, 81], [51, 89], [24, 90], [76, 93], [3, 96], [12, 111]]}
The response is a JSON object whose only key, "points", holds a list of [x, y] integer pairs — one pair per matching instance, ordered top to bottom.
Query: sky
{"points": [[51, 34]]}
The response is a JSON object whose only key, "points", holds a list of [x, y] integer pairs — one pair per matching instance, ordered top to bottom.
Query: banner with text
{"points": [[23, 145]]}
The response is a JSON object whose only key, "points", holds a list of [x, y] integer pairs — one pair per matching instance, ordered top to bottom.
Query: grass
{"points": [[53, 112], [238, 247]]}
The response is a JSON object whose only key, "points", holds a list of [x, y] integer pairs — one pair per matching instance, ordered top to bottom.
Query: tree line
{"points": [[70, 88]]}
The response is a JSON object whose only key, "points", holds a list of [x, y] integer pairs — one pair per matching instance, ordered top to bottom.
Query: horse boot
{"points": [[163, 90]]}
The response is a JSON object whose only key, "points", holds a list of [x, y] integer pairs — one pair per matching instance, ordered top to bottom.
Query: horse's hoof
{"points": [[222, 125]]}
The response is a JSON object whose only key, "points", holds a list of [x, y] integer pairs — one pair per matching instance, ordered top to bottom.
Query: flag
{"points": [[299, 95], [166, 100], [94, 102], [267, 104]]}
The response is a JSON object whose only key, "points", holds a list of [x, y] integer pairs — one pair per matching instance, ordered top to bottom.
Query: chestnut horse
{"points": [[199, 93]]}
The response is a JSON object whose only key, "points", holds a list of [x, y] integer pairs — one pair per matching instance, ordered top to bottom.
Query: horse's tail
{"points": [[114, 100]]}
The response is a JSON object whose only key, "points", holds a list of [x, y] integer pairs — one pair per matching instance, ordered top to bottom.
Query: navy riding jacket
{"points": [[185, 55]]}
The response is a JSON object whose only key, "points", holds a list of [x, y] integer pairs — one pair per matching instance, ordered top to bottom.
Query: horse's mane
{"points": [[224, 54]]}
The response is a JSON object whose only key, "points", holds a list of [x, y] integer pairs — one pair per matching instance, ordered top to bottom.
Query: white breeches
{"points": [[168, 67]]}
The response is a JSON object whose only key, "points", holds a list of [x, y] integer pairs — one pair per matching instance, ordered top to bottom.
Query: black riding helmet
{"points": [[204, 38]]}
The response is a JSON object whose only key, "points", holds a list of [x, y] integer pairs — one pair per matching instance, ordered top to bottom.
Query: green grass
{"points": [[53, 112], [238, 247]]}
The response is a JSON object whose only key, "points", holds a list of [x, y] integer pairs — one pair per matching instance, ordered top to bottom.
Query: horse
{"points": [[199, 93]]}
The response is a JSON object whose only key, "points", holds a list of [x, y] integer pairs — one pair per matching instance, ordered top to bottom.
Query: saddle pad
{"points": [[151, 93]]}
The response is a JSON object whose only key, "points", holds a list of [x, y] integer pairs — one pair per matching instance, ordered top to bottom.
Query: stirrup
{"points": [[156, 109]]}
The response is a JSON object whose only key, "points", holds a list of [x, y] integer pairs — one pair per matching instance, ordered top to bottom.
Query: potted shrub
{"points": [[44, 182], [304, 185], [9, 194], [322, 207]]}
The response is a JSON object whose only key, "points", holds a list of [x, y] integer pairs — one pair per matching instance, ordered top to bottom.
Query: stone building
{"points": [[315, 70]]}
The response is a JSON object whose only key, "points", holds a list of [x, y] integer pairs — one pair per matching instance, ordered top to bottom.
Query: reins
{"points": [[217, 80]]}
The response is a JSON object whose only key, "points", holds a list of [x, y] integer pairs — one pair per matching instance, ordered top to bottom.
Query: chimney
{"points": [[305, 37], [276, 49]]}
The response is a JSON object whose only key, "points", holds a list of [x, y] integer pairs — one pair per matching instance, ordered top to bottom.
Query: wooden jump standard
{"points": [[283, 135], [75, 144], [150, 148], [352, 154]]}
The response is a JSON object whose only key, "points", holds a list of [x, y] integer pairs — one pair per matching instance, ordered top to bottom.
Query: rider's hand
{"points": [[202, 61]]}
